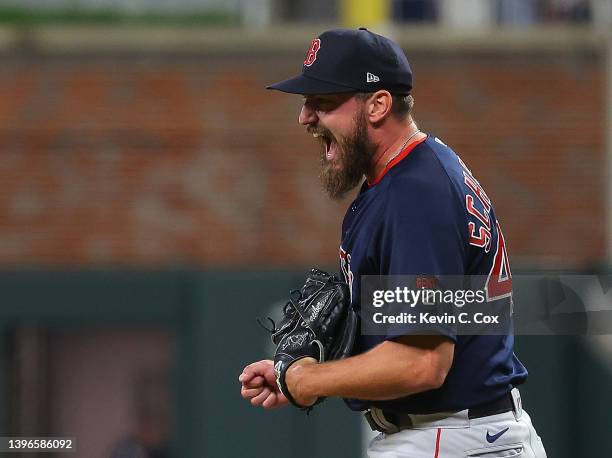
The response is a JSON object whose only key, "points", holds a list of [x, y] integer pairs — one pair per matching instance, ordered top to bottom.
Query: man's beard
{"points": [[353, 160]]}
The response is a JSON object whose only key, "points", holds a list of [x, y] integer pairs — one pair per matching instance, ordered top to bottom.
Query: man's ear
{"points": [[378, 106]]}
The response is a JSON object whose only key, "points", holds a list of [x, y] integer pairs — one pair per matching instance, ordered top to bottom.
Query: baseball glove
{"points": [[318, 322]]}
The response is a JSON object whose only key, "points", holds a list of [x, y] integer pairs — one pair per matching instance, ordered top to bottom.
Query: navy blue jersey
{"points": [[427, 214]]}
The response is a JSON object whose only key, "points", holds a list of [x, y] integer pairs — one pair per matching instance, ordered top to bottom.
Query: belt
{"points": [[501, 405], [391, 422]]}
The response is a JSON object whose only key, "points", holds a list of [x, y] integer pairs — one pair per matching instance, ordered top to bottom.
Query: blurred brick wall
{"points": [[161, 160]]}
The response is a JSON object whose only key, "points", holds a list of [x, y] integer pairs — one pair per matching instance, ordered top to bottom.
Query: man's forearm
{"points": [[388, 371]]}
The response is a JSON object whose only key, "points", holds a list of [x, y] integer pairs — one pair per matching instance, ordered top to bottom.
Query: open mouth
{"points": [[328, 142]]}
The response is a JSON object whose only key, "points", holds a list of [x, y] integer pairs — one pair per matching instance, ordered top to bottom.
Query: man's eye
{"points": [[321, 105], [326, 105]]}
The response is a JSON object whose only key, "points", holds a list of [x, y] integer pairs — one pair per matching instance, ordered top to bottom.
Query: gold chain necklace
{"points": [[402, 147]]}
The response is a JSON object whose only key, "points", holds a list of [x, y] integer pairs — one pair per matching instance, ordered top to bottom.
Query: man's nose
{"points": [[307, 115]]}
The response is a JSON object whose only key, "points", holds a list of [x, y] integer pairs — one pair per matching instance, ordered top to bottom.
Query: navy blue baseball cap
{"points": [[347, 60]]}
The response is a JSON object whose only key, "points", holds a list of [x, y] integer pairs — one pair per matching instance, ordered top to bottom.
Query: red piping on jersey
{"points": [[393, 162], [438, 442]]}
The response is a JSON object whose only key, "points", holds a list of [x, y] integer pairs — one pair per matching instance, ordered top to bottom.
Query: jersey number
{"points": [[499, 281]]}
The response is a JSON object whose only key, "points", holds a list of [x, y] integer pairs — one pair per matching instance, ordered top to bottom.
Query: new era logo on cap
{"points": [[345, 60], [371, 78]]}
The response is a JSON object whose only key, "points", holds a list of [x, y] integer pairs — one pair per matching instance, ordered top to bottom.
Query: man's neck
{"points": [[386, 152]]}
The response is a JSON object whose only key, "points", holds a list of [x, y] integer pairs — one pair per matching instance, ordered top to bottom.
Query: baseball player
{"points": [[427, 389]]}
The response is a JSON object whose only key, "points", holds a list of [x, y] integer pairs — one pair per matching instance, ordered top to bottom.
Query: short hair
{"points": [[401, 106]]}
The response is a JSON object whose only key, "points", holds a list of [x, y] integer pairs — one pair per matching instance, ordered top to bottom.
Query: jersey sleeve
{"points": [[423, 234]]}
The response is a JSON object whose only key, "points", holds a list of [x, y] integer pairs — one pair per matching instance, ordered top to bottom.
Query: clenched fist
{"points": [[259, 385]]}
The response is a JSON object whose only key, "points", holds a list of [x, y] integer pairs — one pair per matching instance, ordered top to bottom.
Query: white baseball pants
{"points": [[507, 434]]}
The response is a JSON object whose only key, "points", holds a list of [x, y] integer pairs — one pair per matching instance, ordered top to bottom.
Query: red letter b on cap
{"points": [[312, 52]]}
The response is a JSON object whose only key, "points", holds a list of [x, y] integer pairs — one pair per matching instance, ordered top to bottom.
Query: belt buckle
{"points": [[378, 422], [373, 425]]}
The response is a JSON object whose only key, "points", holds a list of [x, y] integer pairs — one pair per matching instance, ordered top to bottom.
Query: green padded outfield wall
{"points": [[213, 313]]}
